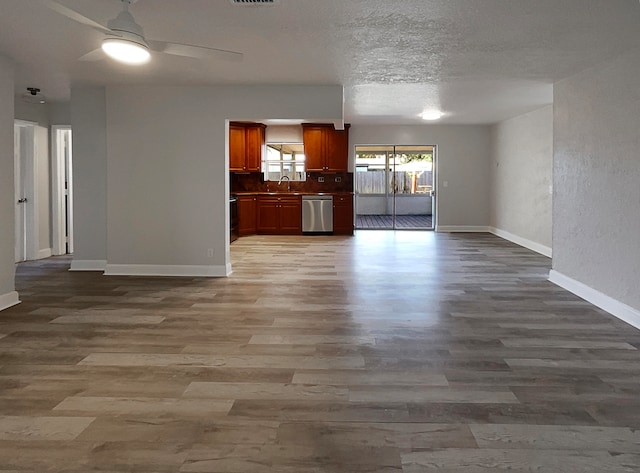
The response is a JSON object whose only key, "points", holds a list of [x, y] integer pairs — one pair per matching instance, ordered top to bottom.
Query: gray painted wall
{"points": [[31, 112], [51, 113], [60, 113], [89, 124], [165, 151], [463, 155], [521, 175], [596, 208], [7, 266]]}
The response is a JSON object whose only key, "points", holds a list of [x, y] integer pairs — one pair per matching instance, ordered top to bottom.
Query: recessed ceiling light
{"points": [[431, 115]]}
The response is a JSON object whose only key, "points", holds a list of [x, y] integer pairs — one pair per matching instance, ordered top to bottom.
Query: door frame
{"points": [[390, 169], [61, 173], [434, 189], [20, 246]]}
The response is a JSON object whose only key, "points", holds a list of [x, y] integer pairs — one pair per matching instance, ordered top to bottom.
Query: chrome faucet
{"points": [[282, 178]]}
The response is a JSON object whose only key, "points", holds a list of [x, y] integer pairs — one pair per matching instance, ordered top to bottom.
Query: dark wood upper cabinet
{"points": [[314, 138], [246, 146], [254, 146], [236, 147], [325, 148], [338, 150]]}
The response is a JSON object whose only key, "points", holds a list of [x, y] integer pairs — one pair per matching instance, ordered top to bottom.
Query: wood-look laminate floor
{"points": [[385, 352]]}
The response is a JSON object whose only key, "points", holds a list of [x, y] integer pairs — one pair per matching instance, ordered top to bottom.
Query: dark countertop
{"points": [[290, 193]]}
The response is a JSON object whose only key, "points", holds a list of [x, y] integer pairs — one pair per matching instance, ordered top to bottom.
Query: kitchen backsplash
{"points": [[254, 182]]}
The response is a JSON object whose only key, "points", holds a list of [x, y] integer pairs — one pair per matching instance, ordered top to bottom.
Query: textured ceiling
{"points": [[480, 61]]}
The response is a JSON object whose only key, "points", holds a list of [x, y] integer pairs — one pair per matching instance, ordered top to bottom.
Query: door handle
{"points": [[23, 200]]}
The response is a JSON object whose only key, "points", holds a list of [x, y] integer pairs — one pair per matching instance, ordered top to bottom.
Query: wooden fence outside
{"points": [[373, 182]]}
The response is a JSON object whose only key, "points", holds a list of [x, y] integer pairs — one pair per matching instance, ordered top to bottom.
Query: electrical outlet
{"points": [[321, 179], [338, 179], [210, 253]]}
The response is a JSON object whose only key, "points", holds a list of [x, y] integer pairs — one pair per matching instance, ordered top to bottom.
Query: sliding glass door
{"points": [[394, 187]]}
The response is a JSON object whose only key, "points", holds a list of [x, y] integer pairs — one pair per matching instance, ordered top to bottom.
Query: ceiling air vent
{"points": [[255, 2]]}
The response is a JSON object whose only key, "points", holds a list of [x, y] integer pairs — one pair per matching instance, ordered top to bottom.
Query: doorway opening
{"points": [[394, 187], [62, 190]]}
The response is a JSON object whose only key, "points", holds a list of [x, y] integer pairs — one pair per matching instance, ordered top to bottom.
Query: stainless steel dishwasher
{"points": [[317, 214]]}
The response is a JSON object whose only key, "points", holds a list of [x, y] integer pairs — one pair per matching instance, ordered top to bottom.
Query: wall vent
{"points": [[255, 2]]}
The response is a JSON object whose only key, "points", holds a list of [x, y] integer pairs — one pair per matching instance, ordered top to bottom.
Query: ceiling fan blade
{"points": [[75, 16], [198, 52], [95, 55]]}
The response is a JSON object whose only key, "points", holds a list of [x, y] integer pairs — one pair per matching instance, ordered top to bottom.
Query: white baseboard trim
{"points": [[461, 228], [518, 240], [45, 253], [88, 265], [167, 270], [597, 298], [8, 300]]}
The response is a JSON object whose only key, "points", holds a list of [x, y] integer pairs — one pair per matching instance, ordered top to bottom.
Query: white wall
{"points": [[88, 120], [284, 134], [463, 155], [521, 170], [167, 171], [596, 207], [8, 296]]}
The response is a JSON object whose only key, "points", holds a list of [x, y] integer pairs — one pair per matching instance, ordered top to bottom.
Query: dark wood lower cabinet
{"points": [[247, 205], [279, 215], [282, 215], [343, 215], [291, 216]]}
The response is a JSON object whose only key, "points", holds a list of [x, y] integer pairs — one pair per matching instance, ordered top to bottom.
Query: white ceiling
{"points": [[480, 61]]}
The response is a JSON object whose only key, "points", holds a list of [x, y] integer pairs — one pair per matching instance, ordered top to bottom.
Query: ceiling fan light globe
{"points": [[126, 51], [431, 115]]}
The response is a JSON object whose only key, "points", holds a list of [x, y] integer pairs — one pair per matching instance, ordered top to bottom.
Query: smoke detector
{"points": [[33, 95]]}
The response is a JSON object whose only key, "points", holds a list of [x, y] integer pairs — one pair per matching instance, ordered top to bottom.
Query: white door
{"points": [[31, 182]]}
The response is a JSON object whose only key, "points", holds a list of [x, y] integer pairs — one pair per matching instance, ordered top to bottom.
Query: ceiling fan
{"points": [[125, 41]]}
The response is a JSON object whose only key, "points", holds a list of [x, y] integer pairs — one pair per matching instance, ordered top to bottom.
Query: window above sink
{"points": [[284, 159]]}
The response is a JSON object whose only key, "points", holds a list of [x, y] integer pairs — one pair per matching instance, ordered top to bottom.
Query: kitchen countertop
{"points": [[285, 193]]}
